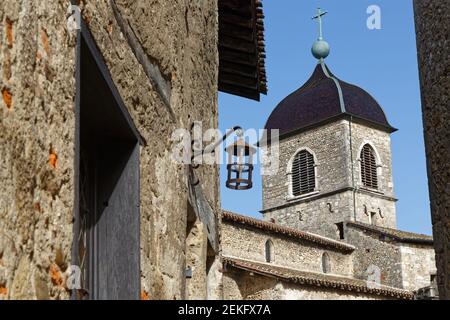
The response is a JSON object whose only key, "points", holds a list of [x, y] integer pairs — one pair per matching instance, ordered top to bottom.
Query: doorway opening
{"points": [[107, 228]]}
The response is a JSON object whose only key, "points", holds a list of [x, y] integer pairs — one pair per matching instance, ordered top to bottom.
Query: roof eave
{"points": [[242, 55], [383, 127], [398, 238], [304, 280]]}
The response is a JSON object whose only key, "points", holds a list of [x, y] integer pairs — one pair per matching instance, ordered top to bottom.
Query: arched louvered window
{"points": [[303, 173], [369, 175], [269, 251], [326, 263]]}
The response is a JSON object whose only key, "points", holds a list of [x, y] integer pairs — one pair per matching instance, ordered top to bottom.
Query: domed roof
{"points": [[325, 97]]}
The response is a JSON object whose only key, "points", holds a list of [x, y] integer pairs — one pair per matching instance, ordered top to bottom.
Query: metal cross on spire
{"points": [[318, 17]]}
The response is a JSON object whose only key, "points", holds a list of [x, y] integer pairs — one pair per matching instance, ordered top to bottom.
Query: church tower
{"points": [[335, 156]]}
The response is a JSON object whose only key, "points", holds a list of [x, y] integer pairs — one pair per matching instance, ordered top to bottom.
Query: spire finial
{"points": [[318, 17], [320, 49]]}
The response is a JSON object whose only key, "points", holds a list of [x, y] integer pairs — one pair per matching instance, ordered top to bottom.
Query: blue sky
{"points": [[383, 62]]}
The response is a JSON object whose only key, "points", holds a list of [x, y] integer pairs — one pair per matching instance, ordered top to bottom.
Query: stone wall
{"points": [[433, 27], [37, 122], [37, 128], [327, 144], [336, 198], [331, 202], [379, 202], [314, 214], [249, 243], [196, 250], [370, 253], [402, 265], [418, 265]]}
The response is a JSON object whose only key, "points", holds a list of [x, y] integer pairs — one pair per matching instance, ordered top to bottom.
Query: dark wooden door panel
{"points": [[107, 207], [122, 245]]}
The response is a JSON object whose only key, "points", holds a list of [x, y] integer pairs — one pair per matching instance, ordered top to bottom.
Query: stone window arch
{"points": [[369, 167], [302, 173], [269, 251], [326, 263]]}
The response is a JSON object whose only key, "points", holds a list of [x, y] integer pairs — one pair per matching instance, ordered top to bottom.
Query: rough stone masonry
{"points": [[433, 29], [37, 135]]}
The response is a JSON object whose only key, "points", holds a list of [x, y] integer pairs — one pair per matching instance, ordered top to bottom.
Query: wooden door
{"points": [[107, 229]]}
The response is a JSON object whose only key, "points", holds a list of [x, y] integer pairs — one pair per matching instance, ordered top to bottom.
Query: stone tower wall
{"points": [[327, 143], [336, 198], [379, 202]]}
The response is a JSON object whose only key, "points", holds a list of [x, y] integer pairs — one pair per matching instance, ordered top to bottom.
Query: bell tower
{"points": [[335, 155]]}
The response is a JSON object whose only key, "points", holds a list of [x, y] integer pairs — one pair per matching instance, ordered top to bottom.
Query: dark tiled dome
{"points": [[321, 98]]}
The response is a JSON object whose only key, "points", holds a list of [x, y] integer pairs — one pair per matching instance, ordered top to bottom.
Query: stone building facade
{"points": [[432, 29], [38, 134], [86, 142], [245, 238], [406, 260], [302, 265]]}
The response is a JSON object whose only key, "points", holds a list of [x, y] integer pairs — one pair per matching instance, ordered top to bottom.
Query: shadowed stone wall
{"points": [[433, 28]]}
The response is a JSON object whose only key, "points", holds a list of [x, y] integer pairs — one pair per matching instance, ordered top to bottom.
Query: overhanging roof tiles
{"points": [[242, 48], [327, 281]]}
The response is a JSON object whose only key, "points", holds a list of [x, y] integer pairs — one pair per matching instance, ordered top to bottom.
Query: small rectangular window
{"points": [[373, 218], [340, 230]]}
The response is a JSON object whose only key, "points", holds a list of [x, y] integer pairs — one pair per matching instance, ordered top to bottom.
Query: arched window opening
{"points": [[303, 173], [369, 174], [269, 251], [326, 263]]}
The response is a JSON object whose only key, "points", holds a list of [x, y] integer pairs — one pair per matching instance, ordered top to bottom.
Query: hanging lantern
{"points": [[240, 165]]}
